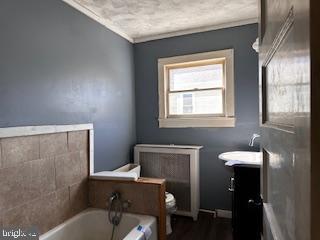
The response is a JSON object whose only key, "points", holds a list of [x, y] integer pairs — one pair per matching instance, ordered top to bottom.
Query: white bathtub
{"points": [[93, 224]]}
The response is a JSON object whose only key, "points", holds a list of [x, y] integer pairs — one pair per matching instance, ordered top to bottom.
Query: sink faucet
{"points": [[253, 138]]}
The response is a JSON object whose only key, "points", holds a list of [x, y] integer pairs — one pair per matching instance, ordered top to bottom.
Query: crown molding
{"points": [[94, 16], [108, 24], [196, 30]]}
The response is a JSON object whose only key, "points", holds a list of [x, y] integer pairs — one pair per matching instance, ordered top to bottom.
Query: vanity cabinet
{"points": [[246, 203]]}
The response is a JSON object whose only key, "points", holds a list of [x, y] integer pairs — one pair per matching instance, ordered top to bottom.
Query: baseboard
{"points": [[213, 212], [218, 213], [224, 213]]}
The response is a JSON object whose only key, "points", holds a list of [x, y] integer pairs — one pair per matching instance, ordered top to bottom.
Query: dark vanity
{"points": [[245, 190], [246, 203]]}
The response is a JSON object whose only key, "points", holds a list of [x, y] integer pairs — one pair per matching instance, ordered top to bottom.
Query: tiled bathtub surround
{"points": [[43, 178]]}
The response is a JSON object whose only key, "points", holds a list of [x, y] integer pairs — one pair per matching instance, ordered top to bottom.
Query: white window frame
{"points": [[183, 121]]}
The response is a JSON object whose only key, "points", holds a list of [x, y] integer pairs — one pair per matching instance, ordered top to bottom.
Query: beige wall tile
{"points": [[78, 141], [53, 144], [19, 149], [0, 155], [84, 164], [68, 170], [40, 177], [26, 182], [12, 187], [43, 191], [92, 193], [79, 197], [144, 197], [62, 201], [44, 213], [17, 217], [1, 219]]}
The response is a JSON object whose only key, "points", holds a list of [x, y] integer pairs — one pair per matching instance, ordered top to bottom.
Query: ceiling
{"points": [[142, 20]]}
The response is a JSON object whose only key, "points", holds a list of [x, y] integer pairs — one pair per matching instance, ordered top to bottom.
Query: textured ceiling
{"points": [[145, 18]]}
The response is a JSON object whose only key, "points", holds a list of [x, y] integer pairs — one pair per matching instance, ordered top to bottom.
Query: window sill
{"points": [[197, 122]]}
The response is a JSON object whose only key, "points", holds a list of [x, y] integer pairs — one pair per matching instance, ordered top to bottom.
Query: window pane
{"points": [[208, 76], [187, 99], [198, 102]]}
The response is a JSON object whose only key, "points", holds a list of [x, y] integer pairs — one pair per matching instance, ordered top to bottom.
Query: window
{"points": [[197, 90]]}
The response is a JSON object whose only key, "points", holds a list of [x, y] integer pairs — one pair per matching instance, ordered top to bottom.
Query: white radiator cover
{"points": [[179, 165]]}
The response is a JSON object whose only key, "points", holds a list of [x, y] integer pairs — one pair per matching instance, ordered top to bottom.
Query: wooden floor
{"points": [[206, 228]]}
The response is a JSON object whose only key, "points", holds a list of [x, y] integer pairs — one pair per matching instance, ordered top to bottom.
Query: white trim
{"points": [[97, 18], [195, 30], [218, 54], [197, 122], [37, 130], [169, 146], [91, 151], [113, 175], [195, 183], [213, 212], [218, 213], [224, 213]]}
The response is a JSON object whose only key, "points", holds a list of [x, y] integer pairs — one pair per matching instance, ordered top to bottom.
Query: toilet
{"points": [[170, 208]]}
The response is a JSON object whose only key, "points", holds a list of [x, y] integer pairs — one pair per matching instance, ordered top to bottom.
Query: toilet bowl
{"points": [[170, 208]]}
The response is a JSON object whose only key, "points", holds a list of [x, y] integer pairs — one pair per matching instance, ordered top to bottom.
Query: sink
{"points": [[241, 158]]}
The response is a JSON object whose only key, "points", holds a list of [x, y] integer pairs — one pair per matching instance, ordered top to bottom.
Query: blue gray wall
{"points": [[58, 66], [214, 176]]}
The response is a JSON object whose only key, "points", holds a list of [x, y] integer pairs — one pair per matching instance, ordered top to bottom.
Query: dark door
{"points": [[290, 170]]}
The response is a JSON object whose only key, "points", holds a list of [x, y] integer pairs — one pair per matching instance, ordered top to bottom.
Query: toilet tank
{"points": [[179, 165]]}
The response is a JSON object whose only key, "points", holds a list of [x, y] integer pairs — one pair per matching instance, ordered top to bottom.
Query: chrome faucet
{"points": [[253, 138], [114, 196], [115, 209]]}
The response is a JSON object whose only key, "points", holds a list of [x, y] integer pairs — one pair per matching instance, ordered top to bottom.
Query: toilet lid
{"points": [[169, 198]]}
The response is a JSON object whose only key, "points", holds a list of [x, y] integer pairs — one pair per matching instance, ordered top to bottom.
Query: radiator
{"points": [[179, 165]]}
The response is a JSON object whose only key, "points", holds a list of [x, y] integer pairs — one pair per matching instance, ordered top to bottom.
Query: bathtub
{"points": [[93, 224]]}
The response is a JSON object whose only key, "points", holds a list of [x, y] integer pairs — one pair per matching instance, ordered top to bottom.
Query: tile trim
{"points": [[37, 130], [91, 151]]}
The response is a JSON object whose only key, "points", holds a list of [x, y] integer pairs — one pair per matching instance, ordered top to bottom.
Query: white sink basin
{"points": [[241, 158]]}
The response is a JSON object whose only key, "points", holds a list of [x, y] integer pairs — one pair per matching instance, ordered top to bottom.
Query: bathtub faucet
{"points": [[114, 196], [115, 208]]}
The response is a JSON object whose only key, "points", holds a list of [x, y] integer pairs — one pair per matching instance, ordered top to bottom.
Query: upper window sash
{"points": [[193, 64]]}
